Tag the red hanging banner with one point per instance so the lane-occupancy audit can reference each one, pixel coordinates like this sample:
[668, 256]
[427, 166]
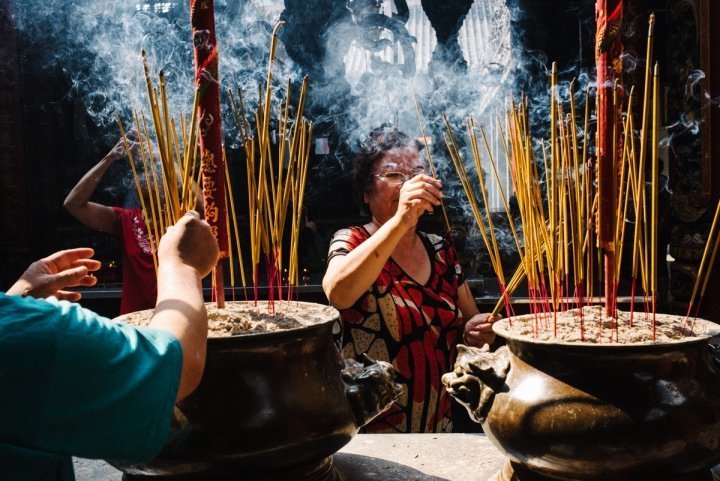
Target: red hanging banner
[207, 83]
[608, 49]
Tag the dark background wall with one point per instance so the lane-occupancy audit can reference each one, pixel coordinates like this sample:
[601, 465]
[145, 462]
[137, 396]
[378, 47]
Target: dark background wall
[712, 303]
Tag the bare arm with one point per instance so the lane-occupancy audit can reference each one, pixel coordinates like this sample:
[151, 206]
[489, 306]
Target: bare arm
[187, 252]
[347, 277]
[96, 216]
[180, 309]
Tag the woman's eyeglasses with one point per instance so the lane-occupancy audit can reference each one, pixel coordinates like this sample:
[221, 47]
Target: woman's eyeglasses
[397, 178]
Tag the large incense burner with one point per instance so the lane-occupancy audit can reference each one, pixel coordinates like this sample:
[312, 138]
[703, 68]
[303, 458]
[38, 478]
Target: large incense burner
[596, 411]
[272, 405]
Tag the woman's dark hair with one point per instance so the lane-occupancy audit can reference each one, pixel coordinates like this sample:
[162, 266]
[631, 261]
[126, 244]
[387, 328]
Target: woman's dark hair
[377, 143]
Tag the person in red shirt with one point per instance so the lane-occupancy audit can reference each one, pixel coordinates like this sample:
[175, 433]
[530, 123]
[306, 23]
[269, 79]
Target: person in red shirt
[138, 271]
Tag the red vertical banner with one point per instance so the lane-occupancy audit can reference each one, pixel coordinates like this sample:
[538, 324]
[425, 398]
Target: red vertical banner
[207, 83]
[608, 48]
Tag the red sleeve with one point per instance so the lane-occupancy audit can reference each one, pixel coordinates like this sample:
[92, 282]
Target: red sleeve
[345, 240]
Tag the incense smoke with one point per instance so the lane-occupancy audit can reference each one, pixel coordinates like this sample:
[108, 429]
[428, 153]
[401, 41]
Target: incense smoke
[364, 62]
[97, 44]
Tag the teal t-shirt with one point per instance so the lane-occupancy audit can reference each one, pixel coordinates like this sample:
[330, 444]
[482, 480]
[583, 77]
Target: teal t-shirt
[75, 383]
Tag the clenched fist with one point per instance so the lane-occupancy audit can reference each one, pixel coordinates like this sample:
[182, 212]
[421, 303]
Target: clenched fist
[191, 242]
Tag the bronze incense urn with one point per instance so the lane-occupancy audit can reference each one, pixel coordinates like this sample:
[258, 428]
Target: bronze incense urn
[271, 405]
[584, 411]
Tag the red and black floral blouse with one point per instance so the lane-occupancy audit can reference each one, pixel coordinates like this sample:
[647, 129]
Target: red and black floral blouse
[413, 326]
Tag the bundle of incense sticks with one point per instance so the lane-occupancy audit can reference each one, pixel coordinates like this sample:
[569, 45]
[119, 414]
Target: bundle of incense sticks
[165, 164]
[276, 170]
[559, 245]
[276, 176]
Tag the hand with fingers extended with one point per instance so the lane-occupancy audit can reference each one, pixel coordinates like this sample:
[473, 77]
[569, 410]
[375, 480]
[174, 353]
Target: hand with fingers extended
[190, 242]
[418, 195]
[478, 330]
[51, 275]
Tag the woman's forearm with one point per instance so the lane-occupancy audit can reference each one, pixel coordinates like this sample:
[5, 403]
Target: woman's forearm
[349, 276]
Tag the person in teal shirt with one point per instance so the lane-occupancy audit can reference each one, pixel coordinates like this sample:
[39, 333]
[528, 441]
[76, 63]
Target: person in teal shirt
[73, 383]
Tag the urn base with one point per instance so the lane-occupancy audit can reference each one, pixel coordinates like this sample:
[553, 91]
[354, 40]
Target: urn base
[316, 471]
[515, 472]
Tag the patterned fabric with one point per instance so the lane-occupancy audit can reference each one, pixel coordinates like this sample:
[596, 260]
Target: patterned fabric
[609, 23]
[139, 289]
[413, 326]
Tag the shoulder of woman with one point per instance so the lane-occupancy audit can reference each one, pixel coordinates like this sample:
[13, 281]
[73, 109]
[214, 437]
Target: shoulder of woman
[349, 237]
[349, 233]
[342, 234]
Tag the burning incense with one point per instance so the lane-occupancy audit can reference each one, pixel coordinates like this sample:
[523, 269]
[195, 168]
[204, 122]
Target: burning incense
[137, 185]
[165, 177]
[277, 164]
[465, 182]
[238, 249]
[505, 291]
[430, 163]
[640, 253]
[483, 191]
[654, 195]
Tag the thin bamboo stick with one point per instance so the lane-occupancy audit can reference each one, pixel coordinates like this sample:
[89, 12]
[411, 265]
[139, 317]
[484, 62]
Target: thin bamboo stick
[511, 223]
[654, 192]
[643, 144]
[483, 191]
[190, 147]
[155, 216]
[231, 199]
[710, 244]
[430, 162]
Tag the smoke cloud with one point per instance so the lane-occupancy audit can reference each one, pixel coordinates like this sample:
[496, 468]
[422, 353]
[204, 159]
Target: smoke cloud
[97, 44]
[365, 60]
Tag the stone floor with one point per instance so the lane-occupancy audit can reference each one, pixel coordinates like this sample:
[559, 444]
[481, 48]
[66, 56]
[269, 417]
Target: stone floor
[384, 457]
[391, 457]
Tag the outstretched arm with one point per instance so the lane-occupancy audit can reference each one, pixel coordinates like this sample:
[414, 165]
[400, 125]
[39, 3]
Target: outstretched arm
[96, 216]
[348, 276]
[188, 251]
